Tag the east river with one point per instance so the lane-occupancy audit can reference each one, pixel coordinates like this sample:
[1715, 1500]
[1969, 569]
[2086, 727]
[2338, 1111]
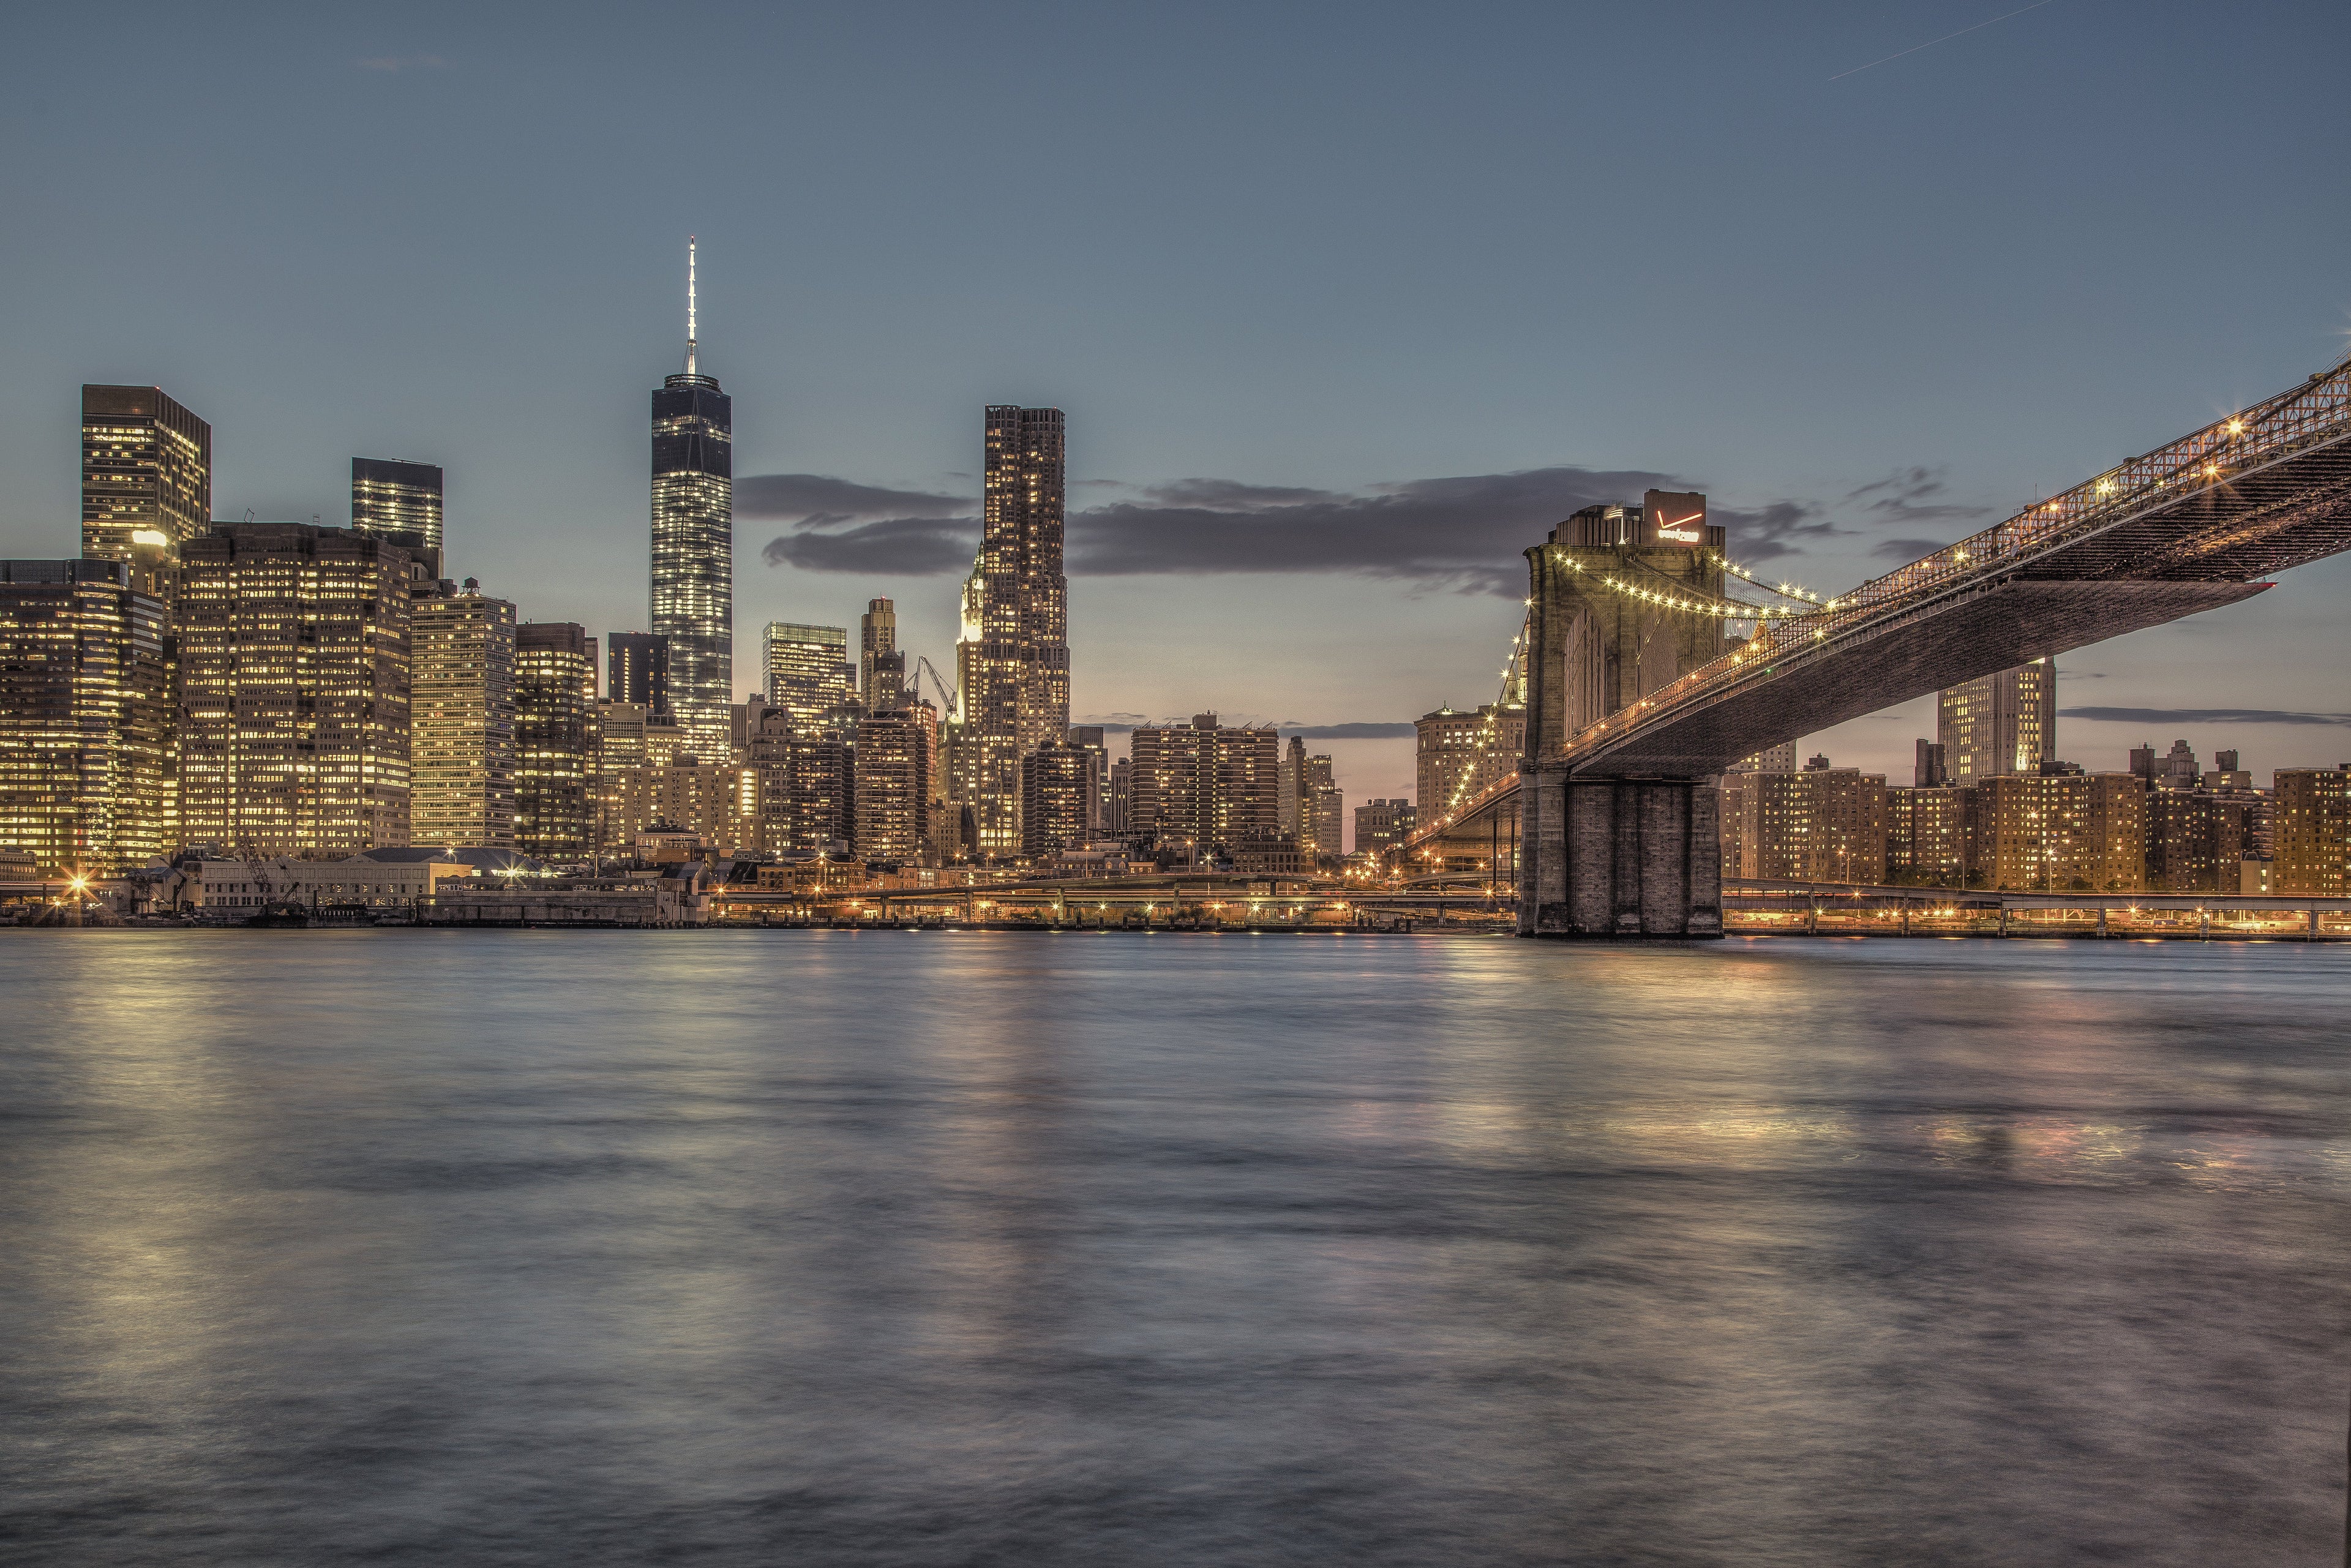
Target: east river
[815, 1248]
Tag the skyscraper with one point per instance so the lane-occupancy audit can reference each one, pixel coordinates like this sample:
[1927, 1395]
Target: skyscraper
[555, 736]
[461, 766]
[807, 670]
[1012, 662]
[877, 633]
[803, 783]
[1058, 802]
[146, 468]
[399, 503]
[693, 543]
[892, 787]
[640, 670]
[885, 683]
[1999, 725]
[1088, 739]
[294, 676]
[86, 716]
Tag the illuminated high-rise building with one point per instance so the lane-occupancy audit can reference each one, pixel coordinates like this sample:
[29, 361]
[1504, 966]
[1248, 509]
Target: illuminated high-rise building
[885, 683]
[892, 786]
[694, 544]
[461, 764]
[639, 671]
[1012, 662]
[294, 680]
[1058, 802]
[1460, 754]
[1204, 784]
[86, 716]
[877, 633]
[146, 469]
[399, 503]
[1999, 725]
[2313, 829]
[802, 785]
[808, 671]
[1088, 739]
[555, 740]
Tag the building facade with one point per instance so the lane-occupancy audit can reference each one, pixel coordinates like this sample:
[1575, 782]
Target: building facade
[802, 788]
[1817, 824]
[295, 689]
[2060, 832]
[1382, 827]
[1930, 836]
[461, 763]
[146, 470]
[89, 720]
[1058, 800]
[891, 777]
[877, 633]
[2313, 829]
[639, 670]
[1012, 660]
[1204, 784]
[1461, 753]
[555, 740]
[808, 667]
[399, 503]
[2002, 724]
[694, 544]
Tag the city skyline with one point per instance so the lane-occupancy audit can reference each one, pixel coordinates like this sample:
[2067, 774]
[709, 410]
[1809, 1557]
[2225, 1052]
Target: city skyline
[1355, 386]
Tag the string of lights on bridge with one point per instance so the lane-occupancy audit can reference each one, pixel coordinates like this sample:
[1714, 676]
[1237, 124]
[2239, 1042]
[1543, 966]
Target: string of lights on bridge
[1674, 599]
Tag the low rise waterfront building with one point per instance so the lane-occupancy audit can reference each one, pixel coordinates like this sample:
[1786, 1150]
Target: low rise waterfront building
[215, 886]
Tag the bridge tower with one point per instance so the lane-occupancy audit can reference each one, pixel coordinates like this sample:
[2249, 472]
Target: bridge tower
[1602, 856]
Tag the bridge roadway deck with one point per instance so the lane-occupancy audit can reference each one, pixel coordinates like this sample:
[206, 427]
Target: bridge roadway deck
[2187, 527]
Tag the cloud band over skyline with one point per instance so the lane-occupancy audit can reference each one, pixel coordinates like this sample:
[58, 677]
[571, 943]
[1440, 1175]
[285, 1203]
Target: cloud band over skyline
[1462, 534]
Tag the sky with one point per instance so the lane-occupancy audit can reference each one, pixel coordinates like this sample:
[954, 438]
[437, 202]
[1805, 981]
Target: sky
[1346, 305]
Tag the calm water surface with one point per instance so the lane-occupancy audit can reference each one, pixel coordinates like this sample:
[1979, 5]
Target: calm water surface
[915, 1248]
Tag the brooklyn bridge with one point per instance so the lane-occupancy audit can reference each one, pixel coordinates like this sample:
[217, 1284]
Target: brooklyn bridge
[1650, 662]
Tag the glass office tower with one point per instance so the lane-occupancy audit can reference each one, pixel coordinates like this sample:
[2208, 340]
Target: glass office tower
[399, 503]
[694, 545]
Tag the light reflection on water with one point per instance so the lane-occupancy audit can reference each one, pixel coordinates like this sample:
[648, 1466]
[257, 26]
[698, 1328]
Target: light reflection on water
[522, 1247]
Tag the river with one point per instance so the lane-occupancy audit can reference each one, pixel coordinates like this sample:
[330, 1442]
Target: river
[898, 1248]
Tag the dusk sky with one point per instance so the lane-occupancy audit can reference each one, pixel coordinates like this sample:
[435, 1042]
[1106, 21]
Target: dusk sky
[1346, 305]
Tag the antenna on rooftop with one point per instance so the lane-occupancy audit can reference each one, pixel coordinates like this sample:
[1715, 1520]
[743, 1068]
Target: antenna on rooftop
[689, 304]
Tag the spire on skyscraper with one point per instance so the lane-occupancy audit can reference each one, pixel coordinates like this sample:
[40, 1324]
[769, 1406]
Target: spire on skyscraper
[689, 304]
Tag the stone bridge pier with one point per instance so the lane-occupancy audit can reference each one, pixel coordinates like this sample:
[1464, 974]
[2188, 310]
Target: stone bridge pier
[1619, 857]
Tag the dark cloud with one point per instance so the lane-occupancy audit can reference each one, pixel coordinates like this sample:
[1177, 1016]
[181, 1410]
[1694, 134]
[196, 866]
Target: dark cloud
[1352, 731]
[2165, 716]
[1906, 550]
[1464, 534]
[802, 496]
[1908, 496]
[1778, 529]
[887, 546]
[1231, 495]
[867, 529]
